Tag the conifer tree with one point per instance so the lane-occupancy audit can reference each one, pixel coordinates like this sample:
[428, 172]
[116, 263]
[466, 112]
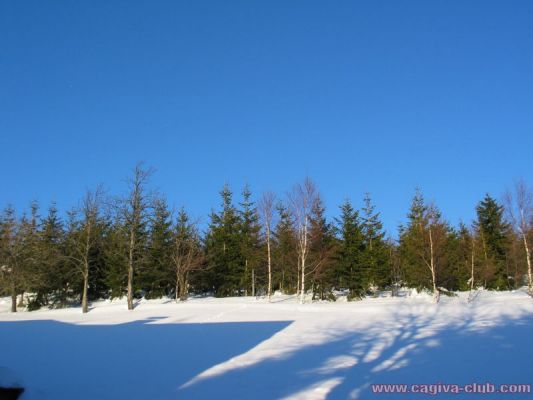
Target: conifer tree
[154, 274]
[423, 245]
[285, 256]
[465, 254]
[224, 249]
[56, 277]
[116, 257]
[250, 241]
[11, 256]
[493, 233]
[350, 273]
[375, 255]
[321, 252]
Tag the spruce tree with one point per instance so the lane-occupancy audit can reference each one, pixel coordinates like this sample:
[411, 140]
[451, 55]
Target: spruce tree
[285, 265]
[11, 258]
[350, 273]
[56, 284]
[250, 242]
[154, 273]
[375, 255]
[321, 253]
[494, 235]
[224, 249]
[424, 246]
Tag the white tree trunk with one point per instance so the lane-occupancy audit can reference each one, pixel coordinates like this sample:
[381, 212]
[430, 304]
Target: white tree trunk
[528, 258]
[432, 267]
[269, 265]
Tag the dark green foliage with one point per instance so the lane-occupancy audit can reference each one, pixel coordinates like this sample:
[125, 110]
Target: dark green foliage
[425, 230]
[494, 236]
[224, 250]
[56, 275]
[321, 261]
[375, 255]
[40, 256]
[154, 277]
[116, 260]
[350, 272]
[284, 253]
[250, 242]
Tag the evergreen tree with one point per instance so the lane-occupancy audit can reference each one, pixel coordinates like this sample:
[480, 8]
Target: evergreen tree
[350, 273]
[464, 253]
[375, 254]
[493, 234]
[250, 242]
[224, 249]
[321, 253]
[424, 246]
[285, 265]
[154, 273]
[116, 257]
[56, 276]
[12, 274]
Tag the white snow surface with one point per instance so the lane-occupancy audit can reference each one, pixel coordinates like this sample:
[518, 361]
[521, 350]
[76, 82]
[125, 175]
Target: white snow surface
[247, 348]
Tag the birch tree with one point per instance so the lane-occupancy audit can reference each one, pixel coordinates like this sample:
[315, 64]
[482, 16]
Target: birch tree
[519, 210]
[302, 199]
[266, 209]
[423, 245]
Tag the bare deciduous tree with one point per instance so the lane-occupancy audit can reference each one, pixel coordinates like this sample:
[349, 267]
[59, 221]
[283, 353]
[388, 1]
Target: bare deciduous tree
[83, 239]
[302, 199]
[134, 210]
[266, 209]
[520, 213]
[187, 255]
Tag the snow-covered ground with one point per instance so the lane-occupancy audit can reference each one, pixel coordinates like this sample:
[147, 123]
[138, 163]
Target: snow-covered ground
[246, 348]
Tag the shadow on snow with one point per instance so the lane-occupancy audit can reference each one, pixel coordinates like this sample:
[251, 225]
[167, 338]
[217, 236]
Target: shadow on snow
[403, 351]
[138, 360]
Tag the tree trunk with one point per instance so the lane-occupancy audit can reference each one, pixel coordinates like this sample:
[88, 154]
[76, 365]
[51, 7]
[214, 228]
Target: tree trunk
[472, 268]
[270, 266]
[486, 259]
[176, 292]
[84, 300]
[528, 258]
[253, 282]
[298, 275]
[13, 299]
[432, 263]
[21, 301]
[302, 288]
[130, 271]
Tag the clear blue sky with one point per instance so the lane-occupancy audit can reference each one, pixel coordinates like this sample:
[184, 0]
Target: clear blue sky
[377, 96]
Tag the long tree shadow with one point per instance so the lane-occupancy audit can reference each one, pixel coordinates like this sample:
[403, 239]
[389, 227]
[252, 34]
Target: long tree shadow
[138, 360]
[409, 350]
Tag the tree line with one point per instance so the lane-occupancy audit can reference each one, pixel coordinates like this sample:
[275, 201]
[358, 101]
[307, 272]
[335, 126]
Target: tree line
[137, 246]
